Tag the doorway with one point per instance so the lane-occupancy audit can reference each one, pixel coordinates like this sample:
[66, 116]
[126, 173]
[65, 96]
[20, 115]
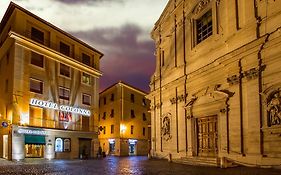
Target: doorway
[85, 146]
[207, 136]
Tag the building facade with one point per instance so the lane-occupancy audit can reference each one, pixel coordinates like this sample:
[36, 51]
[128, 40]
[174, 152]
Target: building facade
[49, 83]
[215, 93]
[124, 121]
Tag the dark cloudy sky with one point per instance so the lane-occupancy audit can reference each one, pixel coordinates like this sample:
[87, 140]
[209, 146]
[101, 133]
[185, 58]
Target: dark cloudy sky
[118, 28]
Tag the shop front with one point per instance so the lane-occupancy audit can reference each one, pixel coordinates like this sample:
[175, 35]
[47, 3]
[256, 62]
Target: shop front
[31, 142]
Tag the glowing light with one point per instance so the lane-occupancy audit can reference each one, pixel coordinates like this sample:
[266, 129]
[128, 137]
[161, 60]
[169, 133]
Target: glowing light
[24, 118]
[111, 140]
[122, 128]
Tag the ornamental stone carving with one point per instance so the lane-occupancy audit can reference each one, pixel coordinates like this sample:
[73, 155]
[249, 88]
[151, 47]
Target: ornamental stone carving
[200, 6]
[274, 108]
[166, 127]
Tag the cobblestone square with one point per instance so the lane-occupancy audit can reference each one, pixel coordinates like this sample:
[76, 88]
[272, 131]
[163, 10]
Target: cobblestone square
[120, 165]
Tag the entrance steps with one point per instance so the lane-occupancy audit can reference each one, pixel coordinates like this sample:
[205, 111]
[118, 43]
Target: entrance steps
[201, 161]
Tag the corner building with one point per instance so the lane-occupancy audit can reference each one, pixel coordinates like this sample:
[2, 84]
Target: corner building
[215, 93]
[49, 83]
[124, 121]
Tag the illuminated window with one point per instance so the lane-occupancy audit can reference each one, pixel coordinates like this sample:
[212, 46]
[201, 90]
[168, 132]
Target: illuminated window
[86, 78]
[86, 59]
[37, 59]
[64, 93]
[64, 70]
[36, 86]
[58, 145]
[86, 99]
[62, 145]
[37, 35]
[64, 49]
[204, 27]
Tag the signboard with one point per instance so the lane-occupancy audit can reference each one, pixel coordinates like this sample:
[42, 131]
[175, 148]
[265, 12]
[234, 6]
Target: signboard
[4, 124]
[55, 106]
[31, 131]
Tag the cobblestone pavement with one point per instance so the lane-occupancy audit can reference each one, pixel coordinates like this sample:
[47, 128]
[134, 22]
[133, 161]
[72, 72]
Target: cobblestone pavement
[118, 166]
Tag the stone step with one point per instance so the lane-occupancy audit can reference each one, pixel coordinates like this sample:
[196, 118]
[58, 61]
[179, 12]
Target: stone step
[202, 161]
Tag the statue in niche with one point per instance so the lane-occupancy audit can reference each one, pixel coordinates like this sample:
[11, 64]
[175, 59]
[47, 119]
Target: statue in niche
[273, 109]
[166, 127]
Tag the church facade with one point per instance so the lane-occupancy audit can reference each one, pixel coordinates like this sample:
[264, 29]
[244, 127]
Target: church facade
[216, 90]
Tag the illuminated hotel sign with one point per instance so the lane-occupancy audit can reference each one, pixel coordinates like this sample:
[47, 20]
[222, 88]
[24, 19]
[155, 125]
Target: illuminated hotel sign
[51, 105]
[31, 132]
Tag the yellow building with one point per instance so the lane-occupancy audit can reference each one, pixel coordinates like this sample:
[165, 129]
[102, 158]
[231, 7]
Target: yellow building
[48, 90]
[216, 90]
[124, 120]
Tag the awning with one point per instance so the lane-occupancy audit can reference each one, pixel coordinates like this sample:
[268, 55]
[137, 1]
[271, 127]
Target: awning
[34, 139]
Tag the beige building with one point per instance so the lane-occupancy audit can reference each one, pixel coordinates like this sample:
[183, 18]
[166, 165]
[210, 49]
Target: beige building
[124, 121]
[215, 93]
[49, 83]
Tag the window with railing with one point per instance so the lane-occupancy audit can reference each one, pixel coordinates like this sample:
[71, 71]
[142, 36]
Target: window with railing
[204, 27]
[36, 86]
[37, 59]
[37, 35]
[64, 93]
[64, 70]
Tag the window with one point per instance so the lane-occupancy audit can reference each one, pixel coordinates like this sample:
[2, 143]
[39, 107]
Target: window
[86, 99]
[8, 57]
[37, 59]
[62, 145]
[65, 116]
[112, 113]
[64, 70]
[104, 116]
[112, 129]
[133, 114]
[104, 130]
[204, 27]
[86, 59]
[64, 93]
[132, 98]
[132, 129]
[37, 35]
[143, 117]
[36, 86]
[86, 78]
[104, 100]
[64, 49]
[143, 102]
[143, 131]
[112, 97]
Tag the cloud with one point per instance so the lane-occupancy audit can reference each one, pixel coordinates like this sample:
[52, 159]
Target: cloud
[127, 55]
[90, 2]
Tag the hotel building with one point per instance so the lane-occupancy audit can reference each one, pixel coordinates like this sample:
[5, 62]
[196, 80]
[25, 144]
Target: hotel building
[49, 83]
[216, 90]
[124, 121]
